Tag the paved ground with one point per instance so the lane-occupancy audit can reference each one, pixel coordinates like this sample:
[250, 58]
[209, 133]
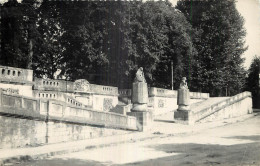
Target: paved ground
[231, 144]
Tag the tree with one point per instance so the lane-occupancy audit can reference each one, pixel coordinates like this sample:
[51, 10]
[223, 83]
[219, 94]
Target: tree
[18, 29]
[48, 50]
[220, 45]
[253, 81]
[83, 39]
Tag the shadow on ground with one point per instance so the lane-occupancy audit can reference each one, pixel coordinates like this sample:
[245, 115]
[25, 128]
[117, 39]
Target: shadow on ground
[208, 154]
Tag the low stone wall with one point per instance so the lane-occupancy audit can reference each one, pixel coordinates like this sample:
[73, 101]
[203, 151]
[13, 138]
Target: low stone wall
[17, 75]
[69, 87]
[160, 92]
[240, 104]
[24, 89]
[51, 121]
[162, 100]
[237, 105]
[53, 85]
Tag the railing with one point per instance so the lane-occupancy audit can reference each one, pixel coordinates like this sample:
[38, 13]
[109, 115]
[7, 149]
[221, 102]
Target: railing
[160, 92]
[61, 111]
[125, 92]
[49, 95]
[22, 106]
[105, 90]
[18, 75]
[68, 86]
[53, 85]
[201, 114]
[199, 95]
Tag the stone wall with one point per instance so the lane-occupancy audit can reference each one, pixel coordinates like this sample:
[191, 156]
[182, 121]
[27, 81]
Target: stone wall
[16, 80]
[238, 108]
[162, 100]
[237, 105]
[31, 121]
[18, 75]
[97, 97]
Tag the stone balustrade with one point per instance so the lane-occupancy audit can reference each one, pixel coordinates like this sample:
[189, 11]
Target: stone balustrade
[125, 92]
[160, 92]
[68, 87]
[62, 111]
[54, 95]
[104, 90]
[16, 75]
[199, 95]
[23, 106]
[197, 115]
[53, 85]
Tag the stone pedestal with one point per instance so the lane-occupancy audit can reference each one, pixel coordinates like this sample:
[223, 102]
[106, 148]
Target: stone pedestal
[139, 96]
[183, 99]
[139, 109]
[144, 119]
[182, 115]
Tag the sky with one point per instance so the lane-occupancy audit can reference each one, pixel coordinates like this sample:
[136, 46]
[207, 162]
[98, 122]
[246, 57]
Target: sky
[250, 10]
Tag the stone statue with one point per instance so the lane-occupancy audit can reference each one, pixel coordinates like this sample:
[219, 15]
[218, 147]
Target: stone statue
[183, 99]
[139, 76]
[183, 84]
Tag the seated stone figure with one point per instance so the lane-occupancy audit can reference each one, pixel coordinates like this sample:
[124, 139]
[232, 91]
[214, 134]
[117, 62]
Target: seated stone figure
[183, 84]
[139, 76]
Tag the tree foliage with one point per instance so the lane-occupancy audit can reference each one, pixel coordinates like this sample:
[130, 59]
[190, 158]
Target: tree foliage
[253, 81]
[18, 29]
[220, 45]
[106, 42]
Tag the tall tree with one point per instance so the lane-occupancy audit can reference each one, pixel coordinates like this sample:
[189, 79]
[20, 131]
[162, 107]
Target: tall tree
[220, 45]
[18, 28]
[48, 45]
[253, 81]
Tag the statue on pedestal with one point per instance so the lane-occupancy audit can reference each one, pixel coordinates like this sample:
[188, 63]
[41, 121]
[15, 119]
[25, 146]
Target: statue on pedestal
[183, 99]
[183, 84]
[139, 76]
[140, 91]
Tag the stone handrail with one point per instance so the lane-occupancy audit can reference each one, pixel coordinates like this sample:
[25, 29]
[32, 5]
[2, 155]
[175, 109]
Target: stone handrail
[201, 114]
[54, 95]
[106, 90]
[22, 106]
[160, 92]
[124, 92]
[18, 75]
[53, 85]
[199, 95]
[68, 86]
[61, 111]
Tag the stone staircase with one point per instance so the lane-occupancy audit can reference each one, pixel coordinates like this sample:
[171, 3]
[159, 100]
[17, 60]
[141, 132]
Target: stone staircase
[216, 108]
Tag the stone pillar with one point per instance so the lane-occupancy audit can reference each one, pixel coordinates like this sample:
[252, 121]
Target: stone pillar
[140, 96]
[183, 101]
[140, 100]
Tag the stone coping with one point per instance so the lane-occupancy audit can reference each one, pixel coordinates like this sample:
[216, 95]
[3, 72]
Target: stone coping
[28, 107]
[160, 92]
[221, 104]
